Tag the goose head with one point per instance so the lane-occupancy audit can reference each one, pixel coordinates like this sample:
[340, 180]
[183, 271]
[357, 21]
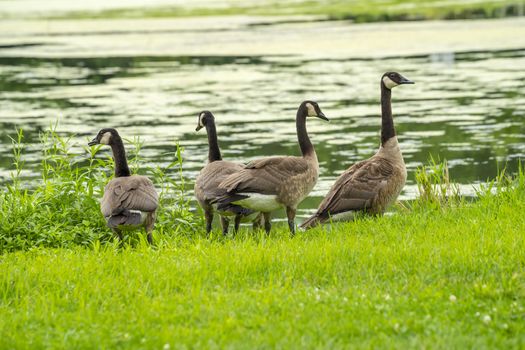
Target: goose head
[312, 109]
[204, 118]
[393, 79]
[105, 137]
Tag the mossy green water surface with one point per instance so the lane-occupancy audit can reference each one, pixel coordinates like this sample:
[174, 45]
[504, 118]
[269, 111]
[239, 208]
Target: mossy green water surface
[359, 11]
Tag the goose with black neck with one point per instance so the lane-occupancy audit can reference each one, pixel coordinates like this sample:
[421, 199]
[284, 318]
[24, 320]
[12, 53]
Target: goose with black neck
[129, 201]
[267, 184]
[369, 186]
[207, 182]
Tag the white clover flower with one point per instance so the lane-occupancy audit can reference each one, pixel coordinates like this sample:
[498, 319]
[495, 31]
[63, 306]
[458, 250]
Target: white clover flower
[166, 346]
[486, 319]
[452, 298]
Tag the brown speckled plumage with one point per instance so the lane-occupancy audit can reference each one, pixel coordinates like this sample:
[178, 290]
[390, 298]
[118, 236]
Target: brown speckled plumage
[207, 182]
[289, 178]
[134, 192]
[267, 183]
[369, 186]
[129, 201]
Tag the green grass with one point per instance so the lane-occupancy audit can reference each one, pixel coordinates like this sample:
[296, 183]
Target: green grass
[442, 272]
[374, 283]
[357, 10]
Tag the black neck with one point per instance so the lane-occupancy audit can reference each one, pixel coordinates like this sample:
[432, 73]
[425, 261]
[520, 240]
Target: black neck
[304, 141]
[119, 155]
[214, 153]
[387, 122]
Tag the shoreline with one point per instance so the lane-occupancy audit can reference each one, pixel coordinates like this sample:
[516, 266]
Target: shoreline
[241, 36]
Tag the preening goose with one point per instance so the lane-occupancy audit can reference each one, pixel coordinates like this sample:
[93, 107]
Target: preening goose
[129, 201]
[373, 184]
[269, 183]
[207, 182]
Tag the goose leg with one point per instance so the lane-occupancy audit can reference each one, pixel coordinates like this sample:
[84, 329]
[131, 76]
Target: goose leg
[118, 233]
[290, 213]
[237, 223]
[150, 222]
[225, 223]
[267, 223]
[257, 223]
[208, 215]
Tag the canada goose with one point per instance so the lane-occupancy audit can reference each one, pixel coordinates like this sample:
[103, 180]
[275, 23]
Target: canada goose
[209, 178]
[373, 184]
[129, 201]
[268, 183]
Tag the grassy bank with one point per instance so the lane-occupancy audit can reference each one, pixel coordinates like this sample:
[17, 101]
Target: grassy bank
[441, 273]
[442, 278]
[358, 10]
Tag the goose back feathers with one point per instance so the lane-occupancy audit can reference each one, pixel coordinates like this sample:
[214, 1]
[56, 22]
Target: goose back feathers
[207, 186]
[369, 186]
[287, 179]
[129, 193]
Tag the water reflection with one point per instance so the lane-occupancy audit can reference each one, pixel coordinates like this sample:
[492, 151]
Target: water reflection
[456, 111]
[447, 58]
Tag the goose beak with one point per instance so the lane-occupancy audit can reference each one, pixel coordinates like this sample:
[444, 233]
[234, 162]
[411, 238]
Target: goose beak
[93, 142]
[198, 128]
[406, 81]
[321, 115]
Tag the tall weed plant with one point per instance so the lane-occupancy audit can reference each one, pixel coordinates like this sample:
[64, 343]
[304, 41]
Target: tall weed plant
[62, 208]
[435, 187]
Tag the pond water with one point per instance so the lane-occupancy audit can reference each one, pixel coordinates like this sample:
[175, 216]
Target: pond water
[466, 107]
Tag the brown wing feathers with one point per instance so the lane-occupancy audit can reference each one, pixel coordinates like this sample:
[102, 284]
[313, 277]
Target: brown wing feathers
[356, 189]
[132, 193]
[264, 175]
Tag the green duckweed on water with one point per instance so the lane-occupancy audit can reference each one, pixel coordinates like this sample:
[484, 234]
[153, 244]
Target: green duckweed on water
[359, 11]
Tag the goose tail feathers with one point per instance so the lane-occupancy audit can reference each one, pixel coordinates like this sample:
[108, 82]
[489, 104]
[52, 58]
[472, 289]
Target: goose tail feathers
[312, 221]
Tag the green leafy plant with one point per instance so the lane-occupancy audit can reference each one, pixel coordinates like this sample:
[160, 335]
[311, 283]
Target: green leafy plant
[61, 208]
[434, 185]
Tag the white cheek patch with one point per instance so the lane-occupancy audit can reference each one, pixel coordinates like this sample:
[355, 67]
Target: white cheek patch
[201, 117]
[389, 83]
[105, 138]
[311, 110]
